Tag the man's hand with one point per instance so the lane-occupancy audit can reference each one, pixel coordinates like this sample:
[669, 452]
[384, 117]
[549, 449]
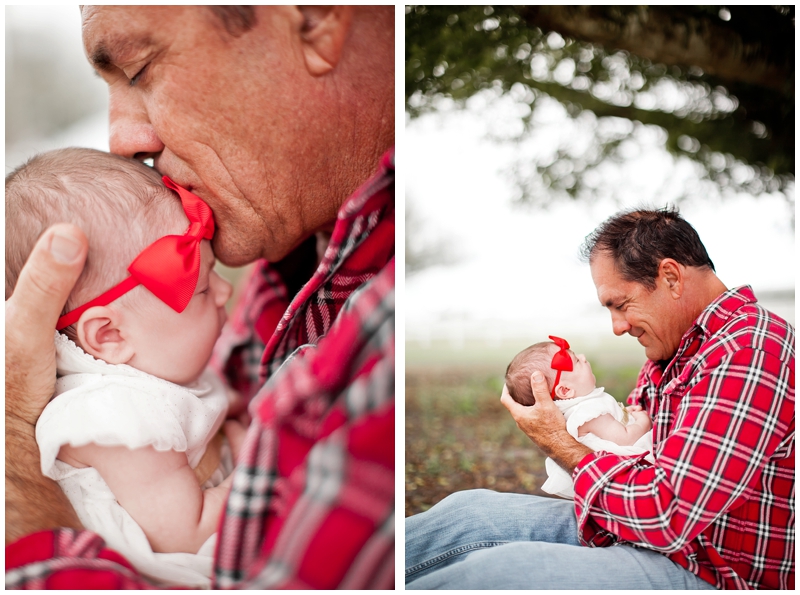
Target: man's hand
[544, 423]
[34, 502]
[235, 432]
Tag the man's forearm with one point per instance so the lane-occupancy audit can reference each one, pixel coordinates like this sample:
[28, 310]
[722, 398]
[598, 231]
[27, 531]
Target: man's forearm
[33, 502]
[564, 450]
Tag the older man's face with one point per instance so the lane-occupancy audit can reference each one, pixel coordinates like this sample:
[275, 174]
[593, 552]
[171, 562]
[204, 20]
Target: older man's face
[237, 120]
[653, 317]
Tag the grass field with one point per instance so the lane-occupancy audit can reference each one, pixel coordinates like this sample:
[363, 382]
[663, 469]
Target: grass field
[459, 436]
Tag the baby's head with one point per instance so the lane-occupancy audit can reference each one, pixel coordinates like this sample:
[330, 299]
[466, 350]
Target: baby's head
[122, 206]
[539, 356]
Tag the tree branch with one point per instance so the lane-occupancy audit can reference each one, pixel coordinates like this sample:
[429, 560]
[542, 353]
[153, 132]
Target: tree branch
[674, 37]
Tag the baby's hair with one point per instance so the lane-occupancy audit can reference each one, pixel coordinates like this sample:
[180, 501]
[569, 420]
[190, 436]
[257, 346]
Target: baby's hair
[518, 374]
[120, 204]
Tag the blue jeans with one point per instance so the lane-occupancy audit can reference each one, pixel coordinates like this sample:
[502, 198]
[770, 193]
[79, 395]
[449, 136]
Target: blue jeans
[479, 539]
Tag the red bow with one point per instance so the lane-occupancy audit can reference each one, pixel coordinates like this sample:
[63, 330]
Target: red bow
[561, 362]
[169, 267]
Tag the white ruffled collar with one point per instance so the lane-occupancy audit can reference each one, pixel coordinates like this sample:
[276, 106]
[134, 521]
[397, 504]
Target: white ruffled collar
[565, 405]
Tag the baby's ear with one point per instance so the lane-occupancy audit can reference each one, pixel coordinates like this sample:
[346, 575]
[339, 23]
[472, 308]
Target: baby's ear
[100, 336]
[564, 392]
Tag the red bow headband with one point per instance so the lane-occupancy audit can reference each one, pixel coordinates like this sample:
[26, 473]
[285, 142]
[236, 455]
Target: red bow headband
[169, 267]
[562, 362]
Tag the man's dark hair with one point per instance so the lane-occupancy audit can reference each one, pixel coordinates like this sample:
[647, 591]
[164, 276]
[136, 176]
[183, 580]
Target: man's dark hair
[639, 240]
[236, 19]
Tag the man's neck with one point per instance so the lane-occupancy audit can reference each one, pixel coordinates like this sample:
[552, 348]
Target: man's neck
[703, 288]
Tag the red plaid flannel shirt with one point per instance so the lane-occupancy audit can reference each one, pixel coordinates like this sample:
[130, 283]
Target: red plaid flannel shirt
[312, 504]
[719, 500]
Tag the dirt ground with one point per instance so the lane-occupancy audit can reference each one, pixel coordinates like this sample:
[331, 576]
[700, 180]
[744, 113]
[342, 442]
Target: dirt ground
[459, 436]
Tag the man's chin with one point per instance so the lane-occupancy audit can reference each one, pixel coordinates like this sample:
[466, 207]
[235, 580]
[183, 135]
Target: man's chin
[650, 351]
[231, 255]
[654, 353]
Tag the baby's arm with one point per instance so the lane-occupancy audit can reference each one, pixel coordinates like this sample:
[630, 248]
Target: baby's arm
[159, 490]
[608, 428]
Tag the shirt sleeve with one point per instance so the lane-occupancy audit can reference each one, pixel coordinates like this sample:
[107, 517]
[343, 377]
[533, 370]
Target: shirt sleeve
[68, 559]
[733, 417]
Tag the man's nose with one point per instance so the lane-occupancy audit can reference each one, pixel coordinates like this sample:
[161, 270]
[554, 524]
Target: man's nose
[619, 325]
[130, 132]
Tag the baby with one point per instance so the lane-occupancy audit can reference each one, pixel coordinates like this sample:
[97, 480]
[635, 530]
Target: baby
[594, 418]
[131, 434]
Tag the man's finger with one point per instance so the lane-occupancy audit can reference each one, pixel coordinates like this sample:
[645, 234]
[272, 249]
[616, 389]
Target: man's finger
[539, 388]
[31, 314]
[507, 400]
[517, 410]
[235, 433]
[44, 284]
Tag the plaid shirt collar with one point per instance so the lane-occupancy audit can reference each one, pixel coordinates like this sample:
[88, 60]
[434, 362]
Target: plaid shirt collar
[358, 217]
[719, 312]
[711, 320]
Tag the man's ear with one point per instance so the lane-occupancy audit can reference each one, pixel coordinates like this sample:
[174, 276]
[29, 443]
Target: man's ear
[323, 32]
[564, 392]
[99, 333]
[670, 272]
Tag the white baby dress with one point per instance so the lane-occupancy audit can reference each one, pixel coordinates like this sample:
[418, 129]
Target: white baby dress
[577, 412]
[120, 405]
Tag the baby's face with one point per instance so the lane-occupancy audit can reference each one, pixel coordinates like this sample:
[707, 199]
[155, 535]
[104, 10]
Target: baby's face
[581, 379]
[177, 347]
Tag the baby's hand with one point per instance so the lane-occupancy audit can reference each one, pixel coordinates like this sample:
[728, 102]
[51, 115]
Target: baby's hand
[632, 408]
[640, 417]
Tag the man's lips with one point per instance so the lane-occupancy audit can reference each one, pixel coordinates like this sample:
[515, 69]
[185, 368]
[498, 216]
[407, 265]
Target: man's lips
[176, 171]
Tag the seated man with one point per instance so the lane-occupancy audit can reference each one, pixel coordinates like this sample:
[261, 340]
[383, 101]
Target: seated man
[715, 509]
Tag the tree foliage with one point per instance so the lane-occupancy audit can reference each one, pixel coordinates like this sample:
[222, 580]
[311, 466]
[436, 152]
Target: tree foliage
[718, 83]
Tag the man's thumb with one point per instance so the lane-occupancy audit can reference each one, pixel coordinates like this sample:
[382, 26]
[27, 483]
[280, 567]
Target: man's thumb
[48, 277]
[539, 388]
